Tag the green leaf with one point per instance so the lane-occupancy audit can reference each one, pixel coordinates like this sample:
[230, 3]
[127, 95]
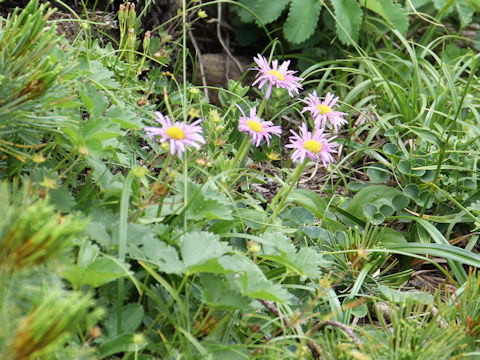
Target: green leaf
[268, 10]
[389, 236]
[125, 117]
[245, 15]
[399, 202]
[280, 245]
[465, 11]
[390, 149]
[302, 216]
[376, 195]
[132, 316]
[348, 14]
[206, 202]
[119, 344]
[400, 297]
[378, 173]
[308, 261]
[247, 277]
[61, 199]
[199, 247]
[218, 295]
[302, 20]
[394, 14]
[309, 200]
[158, 253]
[411, 190]
[96, 274]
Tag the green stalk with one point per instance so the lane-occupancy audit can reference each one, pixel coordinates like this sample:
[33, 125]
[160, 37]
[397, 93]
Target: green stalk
[262, 107]
[122, 243]
[241, 153]
[452, 125]
[284, 192]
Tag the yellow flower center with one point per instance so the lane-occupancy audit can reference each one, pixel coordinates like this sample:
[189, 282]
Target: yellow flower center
[277, 74]
[175, 133]
[255, 126]
[324, 109]
[313, 146]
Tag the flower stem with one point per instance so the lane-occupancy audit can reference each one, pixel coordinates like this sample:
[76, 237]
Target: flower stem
[262, 107]
[241, 154]
[282, 195]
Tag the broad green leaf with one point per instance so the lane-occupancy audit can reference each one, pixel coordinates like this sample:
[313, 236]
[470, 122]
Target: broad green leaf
[206, 202]
[97, 232]
[400, 297]
[302, 216]
[122, 343]
[309, 200]
[61, 199]
[394, 14]
[199, 247]
[411, 190]
[302, 20]
[389, 236]
[247, 277]
[378, 173]
[280, 245]
[154, 251]
[348, 14]
[245, 15]
[98, 273]
[218, 295]
[125, 117]
[465, 11]
[268, 10]
[376, 195]
[309, 260]
[132, 316]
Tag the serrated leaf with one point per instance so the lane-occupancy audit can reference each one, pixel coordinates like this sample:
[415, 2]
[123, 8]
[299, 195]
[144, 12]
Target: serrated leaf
[302, 20]
[199, 247]
[217, 294]
[61, 199]
[245, 15]
[148, 248]
[281, 245]
[247, 277]
[348, 14]
[308, 260]
[207, 202]
[98, 273]
[465, 11]
[394, 14]
[268, 10]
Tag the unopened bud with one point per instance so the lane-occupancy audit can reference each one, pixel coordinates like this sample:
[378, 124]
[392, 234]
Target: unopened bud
[253, 246]
[139, 171]
[202, 14]
[83, 150]
[95, 332]
[138, 339]
[38, 158]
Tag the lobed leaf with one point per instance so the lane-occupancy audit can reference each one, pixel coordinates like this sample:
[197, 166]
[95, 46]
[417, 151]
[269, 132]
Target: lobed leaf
[302, 20]
[348, 14]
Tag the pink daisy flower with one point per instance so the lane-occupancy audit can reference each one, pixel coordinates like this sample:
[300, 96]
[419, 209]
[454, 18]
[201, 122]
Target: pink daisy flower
[257, 128]
[178, 134]
[323, 110]
[276, 75]
[316, 146]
